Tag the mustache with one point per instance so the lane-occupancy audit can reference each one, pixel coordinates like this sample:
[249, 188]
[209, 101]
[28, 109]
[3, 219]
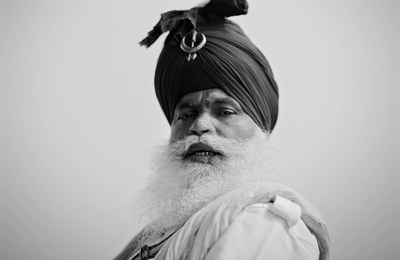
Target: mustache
[221, 145]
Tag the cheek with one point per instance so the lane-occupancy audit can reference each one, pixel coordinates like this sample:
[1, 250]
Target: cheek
[243, 129]
[177, 132]
[245, 132]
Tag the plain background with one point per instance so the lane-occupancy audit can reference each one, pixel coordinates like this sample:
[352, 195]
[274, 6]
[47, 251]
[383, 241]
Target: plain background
[79, 119]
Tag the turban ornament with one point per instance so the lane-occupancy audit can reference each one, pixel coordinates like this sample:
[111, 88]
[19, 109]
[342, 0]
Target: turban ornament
[205, 50]
[191, 50]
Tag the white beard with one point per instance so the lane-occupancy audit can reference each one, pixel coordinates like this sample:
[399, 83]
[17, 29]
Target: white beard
[178, 188]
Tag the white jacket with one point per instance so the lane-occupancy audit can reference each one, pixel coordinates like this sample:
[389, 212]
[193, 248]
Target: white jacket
[257, 221]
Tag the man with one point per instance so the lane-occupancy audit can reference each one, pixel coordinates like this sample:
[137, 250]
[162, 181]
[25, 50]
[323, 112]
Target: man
[209, 196]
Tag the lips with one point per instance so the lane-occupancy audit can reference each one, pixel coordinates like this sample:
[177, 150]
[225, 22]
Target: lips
[201, 149]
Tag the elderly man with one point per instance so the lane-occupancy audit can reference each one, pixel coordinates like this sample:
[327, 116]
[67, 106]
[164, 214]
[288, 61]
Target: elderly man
[210, 196]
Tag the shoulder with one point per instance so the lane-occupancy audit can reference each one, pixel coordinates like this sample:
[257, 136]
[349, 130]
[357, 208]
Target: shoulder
[246, 221]
[266, 231]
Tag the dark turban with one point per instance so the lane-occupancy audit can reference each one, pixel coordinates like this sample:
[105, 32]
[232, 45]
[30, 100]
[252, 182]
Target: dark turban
[228, 60]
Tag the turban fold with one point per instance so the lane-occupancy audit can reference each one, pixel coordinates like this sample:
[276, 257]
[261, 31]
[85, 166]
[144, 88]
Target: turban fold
[228, 60]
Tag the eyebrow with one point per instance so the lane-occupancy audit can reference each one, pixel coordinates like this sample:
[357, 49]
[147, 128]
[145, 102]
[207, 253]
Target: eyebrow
[185, 104]
[225, 100]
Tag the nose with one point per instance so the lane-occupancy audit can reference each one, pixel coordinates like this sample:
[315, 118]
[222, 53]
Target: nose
[202, 125]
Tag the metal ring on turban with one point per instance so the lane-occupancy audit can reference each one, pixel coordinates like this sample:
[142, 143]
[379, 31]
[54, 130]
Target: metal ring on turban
[191, 50]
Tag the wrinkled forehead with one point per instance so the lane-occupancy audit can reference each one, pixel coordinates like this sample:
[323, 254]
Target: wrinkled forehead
[208, 97]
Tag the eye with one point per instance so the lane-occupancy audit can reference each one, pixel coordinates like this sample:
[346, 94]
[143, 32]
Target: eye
[226, 112]
[186, 115]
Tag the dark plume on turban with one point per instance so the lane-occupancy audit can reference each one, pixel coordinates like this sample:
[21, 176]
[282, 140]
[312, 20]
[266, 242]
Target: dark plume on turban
[228, 60]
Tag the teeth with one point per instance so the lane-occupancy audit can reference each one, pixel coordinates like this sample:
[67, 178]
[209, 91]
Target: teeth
[203, 153]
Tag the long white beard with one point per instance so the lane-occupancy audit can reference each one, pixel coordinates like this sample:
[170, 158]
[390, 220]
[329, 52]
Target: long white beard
[178, 188]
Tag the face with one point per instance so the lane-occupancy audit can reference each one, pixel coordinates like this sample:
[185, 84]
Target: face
[210, 112]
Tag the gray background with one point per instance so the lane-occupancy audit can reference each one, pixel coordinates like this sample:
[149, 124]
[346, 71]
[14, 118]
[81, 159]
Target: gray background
[79, 118]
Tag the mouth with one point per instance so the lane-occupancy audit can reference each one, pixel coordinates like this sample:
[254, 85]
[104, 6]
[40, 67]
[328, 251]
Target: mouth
[200, 152]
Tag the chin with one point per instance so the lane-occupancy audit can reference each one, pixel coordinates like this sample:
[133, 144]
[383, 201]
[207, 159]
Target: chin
[179, 186]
